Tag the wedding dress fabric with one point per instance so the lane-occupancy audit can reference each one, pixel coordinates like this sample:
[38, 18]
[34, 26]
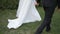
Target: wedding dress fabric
[26, 13]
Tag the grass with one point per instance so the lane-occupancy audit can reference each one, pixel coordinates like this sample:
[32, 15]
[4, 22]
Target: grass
[28, 28]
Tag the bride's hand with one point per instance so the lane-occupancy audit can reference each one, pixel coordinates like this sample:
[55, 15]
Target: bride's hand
[36, 3]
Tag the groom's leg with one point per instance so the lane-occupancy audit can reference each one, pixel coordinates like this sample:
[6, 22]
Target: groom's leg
[58, 2]
[48, 27]
[49, 7]
[47, 20]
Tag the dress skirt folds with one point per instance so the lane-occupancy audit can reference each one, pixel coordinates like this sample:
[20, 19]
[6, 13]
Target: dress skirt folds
[26, 13]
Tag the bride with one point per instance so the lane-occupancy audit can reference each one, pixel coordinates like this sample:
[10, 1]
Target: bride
[26, 13]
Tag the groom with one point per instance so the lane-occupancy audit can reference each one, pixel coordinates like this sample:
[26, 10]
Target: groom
[49, 7]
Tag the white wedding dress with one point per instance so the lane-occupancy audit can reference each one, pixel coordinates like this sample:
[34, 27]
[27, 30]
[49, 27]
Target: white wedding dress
[26, 13]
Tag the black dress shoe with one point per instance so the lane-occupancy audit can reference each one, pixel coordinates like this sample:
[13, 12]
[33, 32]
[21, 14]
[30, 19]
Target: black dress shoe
[48, 28]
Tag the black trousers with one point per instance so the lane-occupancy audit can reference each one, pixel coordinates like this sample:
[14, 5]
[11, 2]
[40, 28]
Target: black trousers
[49, 10]
[58, 3]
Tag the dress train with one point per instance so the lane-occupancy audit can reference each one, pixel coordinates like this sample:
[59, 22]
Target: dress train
[26, 13]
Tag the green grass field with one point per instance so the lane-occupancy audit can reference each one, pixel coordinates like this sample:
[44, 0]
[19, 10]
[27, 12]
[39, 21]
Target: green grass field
[28, 28]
